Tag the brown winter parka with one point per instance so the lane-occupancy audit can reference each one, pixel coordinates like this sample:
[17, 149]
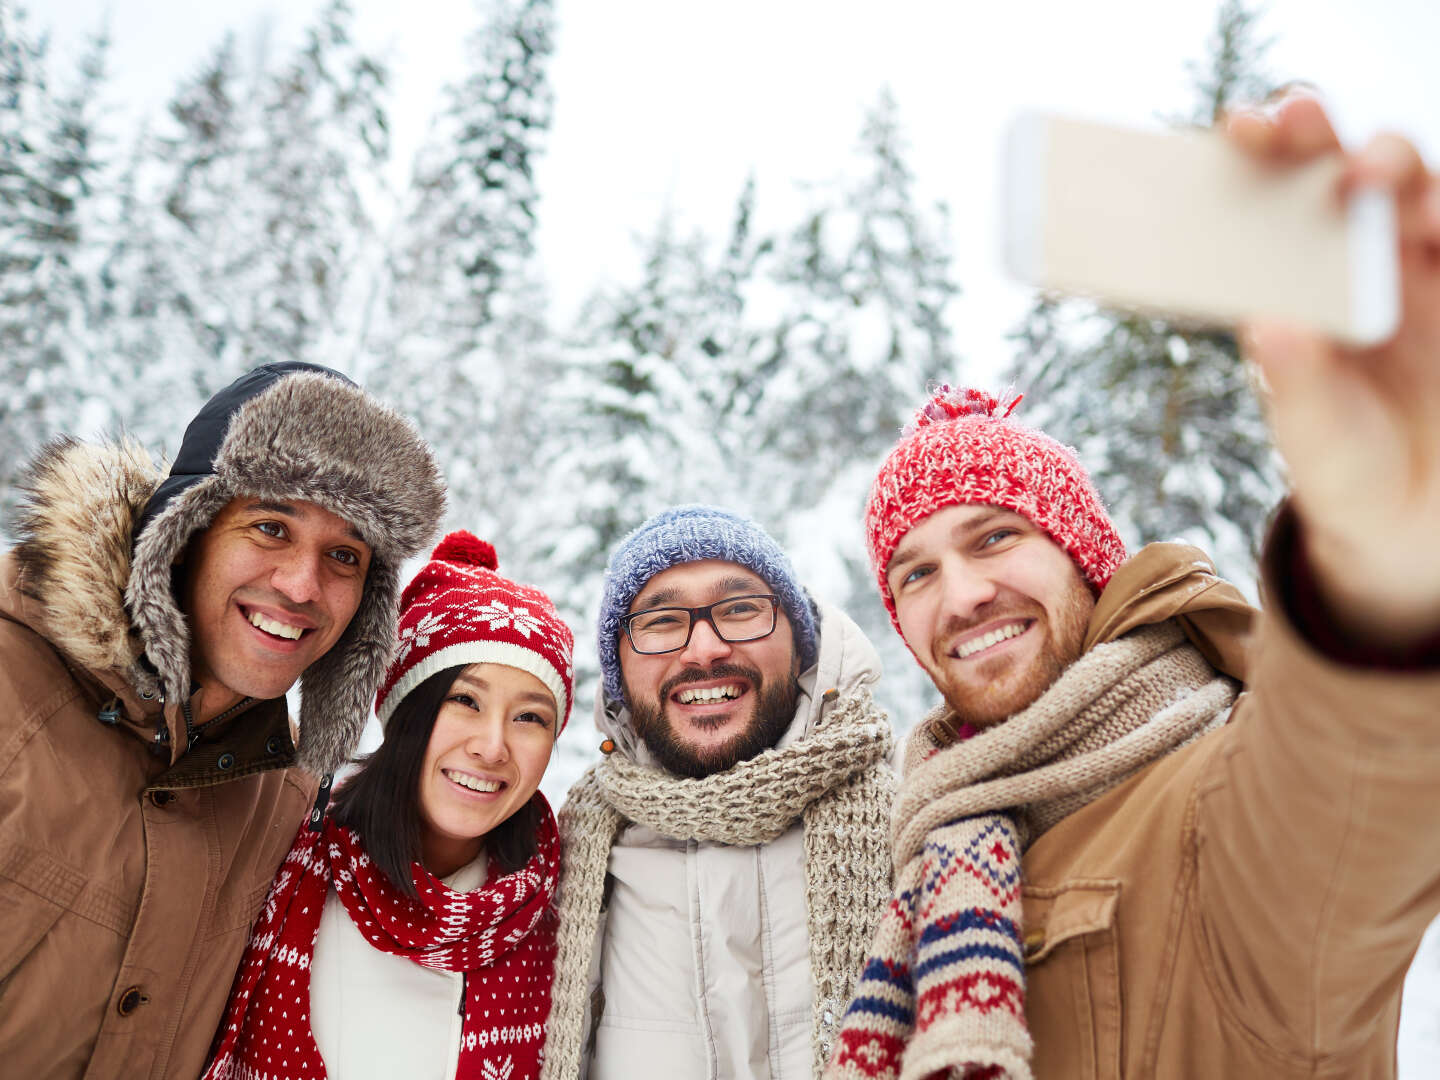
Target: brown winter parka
[130, 872]
[135, 847]
[1247, 906]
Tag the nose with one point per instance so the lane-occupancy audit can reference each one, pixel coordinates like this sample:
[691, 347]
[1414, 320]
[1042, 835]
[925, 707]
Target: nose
[705, 645]
[298, 579]
[486, 740]
[966, 589]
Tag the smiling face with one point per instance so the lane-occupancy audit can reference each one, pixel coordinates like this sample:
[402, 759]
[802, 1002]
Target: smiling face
[992, 608]
[268, 589]
[489, 747]
[712, 703]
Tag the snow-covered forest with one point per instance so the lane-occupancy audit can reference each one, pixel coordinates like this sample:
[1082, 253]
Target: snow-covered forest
[763, 368]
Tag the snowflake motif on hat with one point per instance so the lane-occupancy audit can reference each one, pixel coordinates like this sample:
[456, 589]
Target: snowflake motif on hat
[459, 610]
[499, 615]
[419, 634]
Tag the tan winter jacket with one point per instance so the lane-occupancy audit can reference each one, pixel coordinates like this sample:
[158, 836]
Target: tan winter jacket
[703, 957]
[1247, 906]
[128, 879]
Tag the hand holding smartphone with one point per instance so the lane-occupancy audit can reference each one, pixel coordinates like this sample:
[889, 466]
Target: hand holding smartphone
[1183, 224]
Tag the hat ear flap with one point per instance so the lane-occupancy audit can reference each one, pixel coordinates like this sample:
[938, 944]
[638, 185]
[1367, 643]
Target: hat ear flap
[337, 690]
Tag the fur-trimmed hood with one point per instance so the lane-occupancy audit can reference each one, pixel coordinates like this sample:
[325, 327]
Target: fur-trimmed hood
[102, 530]
[75, 532]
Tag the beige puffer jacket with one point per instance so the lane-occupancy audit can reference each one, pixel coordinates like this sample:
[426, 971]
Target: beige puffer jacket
[702, 960]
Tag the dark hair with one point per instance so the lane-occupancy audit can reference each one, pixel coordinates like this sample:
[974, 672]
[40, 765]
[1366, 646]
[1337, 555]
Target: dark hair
[380, 800]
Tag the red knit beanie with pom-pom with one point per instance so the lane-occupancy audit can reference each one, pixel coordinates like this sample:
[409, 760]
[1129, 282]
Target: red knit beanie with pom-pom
[963, 447]
[458, 610]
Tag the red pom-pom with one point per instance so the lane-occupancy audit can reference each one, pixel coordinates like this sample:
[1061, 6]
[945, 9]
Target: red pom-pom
[465, 547]
[951, 403]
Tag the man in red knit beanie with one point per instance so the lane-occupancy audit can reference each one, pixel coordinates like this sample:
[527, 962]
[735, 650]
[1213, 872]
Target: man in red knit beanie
[1150, 831]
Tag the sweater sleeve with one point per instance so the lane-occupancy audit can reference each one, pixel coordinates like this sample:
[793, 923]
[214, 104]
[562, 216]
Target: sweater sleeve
[1317, 829]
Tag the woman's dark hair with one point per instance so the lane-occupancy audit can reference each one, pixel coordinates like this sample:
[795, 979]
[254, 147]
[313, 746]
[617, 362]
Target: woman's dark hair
[380, 800]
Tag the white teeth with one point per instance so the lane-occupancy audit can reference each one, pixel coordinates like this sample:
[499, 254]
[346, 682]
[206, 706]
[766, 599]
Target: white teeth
[712, 693]
[994, 637]
[271, 626]
[474, 783]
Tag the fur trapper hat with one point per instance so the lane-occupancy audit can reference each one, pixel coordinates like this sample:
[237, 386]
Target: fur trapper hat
[294, 431]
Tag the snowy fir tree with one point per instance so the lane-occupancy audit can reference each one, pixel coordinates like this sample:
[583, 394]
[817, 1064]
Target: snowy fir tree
[866, 286]
[646, 426]
[49, 169]
[1165, 416]
[768, 375]
[460, 338]
[324, 139]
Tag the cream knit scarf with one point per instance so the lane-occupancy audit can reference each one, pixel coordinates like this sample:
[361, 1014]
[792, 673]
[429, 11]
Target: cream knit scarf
[944, 989]
[835, 778]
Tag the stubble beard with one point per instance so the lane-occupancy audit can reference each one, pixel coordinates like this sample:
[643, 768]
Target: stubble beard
[774, 708]
[1062, 647]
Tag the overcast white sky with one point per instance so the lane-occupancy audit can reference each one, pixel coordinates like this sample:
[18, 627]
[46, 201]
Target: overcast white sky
[664, 105]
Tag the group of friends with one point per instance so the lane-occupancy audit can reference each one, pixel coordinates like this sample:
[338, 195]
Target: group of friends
[1148, 831]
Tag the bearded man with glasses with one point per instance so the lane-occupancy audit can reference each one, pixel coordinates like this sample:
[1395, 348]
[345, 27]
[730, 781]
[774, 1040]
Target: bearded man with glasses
[727, 860]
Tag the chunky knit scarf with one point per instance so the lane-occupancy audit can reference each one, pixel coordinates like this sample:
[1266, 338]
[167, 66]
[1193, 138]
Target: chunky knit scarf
[944, 989]
[501, 934]
[835, 778]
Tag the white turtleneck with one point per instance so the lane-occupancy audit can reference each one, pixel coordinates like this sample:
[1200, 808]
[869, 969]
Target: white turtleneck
[375, 1014]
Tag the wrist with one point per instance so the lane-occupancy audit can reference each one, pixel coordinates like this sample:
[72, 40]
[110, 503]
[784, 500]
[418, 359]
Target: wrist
[1376, 600]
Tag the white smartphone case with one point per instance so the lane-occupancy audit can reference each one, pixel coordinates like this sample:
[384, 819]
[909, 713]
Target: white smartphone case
[1182, 224]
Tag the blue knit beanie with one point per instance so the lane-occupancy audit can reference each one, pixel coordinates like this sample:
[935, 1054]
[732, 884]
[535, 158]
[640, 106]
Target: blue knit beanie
[685, 534]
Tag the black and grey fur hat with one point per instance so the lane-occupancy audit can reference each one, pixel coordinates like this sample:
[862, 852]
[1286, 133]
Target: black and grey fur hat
[294, 431]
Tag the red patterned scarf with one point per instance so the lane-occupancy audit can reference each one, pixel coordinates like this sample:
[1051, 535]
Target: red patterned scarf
[502, 934]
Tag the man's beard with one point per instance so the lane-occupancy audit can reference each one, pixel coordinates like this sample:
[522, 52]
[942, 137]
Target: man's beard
[774, 709]
[1065, 635]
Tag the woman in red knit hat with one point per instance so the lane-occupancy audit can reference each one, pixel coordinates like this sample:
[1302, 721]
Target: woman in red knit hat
[411, 930]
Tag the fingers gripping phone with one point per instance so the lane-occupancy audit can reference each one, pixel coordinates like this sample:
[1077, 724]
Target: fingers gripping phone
[1183, 224]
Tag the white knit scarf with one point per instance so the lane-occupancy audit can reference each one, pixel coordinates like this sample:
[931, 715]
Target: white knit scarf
[944, 989]
[835, 778]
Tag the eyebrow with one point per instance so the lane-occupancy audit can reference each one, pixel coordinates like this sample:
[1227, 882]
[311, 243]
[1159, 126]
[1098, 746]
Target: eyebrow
[904, 552]
[474, 682]
[265, 506]
[726, 586]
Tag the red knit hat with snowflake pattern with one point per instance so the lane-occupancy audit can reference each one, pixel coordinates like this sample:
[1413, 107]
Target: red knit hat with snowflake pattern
[963, 447]
[458, 611]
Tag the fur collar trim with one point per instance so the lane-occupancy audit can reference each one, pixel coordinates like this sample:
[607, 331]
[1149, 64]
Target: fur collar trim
[81, 504]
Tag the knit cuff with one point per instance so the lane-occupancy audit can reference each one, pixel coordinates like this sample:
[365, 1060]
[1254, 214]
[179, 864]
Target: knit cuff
[1291, 581]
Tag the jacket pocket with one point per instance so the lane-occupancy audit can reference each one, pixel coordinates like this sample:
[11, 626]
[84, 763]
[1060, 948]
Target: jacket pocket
[27, 917]
[1072, 958]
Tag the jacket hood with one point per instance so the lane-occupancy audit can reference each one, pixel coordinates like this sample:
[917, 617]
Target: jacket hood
[74, 528]
[845, 662]
[1163, 581]
[102, 533]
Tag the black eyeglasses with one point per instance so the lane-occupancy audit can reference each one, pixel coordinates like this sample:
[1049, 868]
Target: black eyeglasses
[736, 618]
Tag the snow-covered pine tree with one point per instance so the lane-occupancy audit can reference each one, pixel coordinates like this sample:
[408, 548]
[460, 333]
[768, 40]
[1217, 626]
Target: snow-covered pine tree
[317, 172]
[459, 343]
[48, 171]
[768, 377]
[866, 285]
[1164, 416]
[655, 403]
[181, 210]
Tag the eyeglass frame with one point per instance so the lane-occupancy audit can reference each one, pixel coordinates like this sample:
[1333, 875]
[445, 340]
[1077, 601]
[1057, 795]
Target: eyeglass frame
[698, 614]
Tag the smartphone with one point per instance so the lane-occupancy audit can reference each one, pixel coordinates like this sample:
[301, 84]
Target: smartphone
[1184, 225]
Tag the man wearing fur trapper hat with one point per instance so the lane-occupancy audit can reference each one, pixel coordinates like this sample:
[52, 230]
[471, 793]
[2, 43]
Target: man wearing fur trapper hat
[149, 630]
[1151, 832]
[725, 862]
